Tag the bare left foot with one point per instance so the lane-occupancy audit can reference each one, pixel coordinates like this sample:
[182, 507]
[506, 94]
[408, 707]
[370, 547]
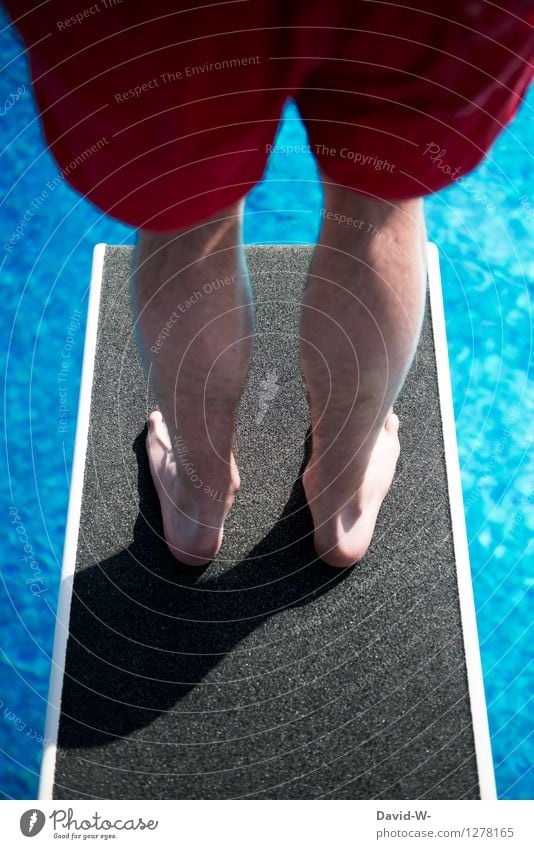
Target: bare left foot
[193, 509]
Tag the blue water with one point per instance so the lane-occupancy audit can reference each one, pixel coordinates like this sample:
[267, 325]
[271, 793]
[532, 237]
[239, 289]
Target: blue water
[483, 231]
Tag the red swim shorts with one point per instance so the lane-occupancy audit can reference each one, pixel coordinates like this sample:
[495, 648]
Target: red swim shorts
[162, 113]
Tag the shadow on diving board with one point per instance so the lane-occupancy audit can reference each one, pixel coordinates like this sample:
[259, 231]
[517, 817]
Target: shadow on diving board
[266, 674]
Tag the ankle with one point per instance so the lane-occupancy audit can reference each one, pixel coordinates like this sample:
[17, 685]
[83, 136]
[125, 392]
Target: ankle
[348, 453]
[209, 473]
[344, 473]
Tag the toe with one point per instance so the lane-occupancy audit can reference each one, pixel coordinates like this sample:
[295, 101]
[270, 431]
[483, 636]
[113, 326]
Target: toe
[338, 556]
[155, 418]
[198, 553]
[341, 552]
[392, 423]
[158, 437]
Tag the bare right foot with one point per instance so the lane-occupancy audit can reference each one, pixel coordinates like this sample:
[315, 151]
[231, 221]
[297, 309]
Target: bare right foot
[345, 504]
[193, 511]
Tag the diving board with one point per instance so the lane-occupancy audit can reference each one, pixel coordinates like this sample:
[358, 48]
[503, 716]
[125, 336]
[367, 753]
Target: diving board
[267, 674]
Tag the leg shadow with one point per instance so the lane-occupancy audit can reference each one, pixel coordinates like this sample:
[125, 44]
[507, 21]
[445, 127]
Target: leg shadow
[145, 630]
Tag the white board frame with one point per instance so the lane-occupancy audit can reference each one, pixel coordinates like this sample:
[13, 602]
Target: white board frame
[484, 760]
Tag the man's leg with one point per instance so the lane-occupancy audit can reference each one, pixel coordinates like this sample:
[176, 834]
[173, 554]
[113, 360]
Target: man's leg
[360, 325]
[194, 322]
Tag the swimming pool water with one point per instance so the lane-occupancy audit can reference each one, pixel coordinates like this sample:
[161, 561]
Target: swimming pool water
[484, 230]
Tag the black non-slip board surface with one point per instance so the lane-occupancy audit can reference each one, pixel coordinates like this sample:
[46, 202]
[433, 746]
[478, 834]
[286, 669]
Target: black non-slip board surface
[267, 674]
